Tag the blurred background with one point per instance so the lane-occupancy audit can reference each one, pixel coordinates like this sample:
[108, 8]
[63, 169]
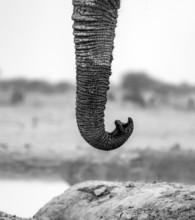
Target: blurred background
[153, 81]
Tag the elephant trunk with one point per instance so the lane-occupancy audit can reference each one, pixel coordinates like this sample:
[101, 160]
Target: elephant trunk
[94, 31]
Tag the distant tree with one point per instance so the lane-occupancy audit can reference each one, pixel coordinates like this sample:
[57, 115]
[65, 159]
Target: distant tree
[134, 82]
[139, 81]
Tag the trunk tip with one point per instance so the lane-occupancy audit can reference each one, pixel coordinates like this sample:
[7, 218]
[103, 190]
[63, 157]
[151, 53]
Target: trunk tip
[124, 128]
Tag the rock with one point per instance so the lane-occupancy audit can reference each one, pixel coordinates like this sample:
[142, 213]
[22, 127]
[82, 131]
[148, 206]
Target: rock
[5, 216]
[95, 200]
[101, 200]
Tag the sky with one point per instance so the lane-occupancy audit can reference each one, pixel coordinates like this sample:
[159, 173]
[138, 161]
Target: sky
[155, 36]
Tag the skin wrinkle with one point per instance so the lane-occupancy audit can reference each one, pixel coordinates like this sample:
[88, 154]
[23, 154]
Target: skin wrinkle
[94, 32]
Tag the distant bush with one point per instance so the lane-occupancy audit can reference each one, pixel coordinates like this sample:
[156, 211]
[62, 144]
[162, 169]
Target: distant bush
[191, 104]
[34, 86]
[143, 90]
[17, 97]
[135, 98]
[63, 87]
[142, 82]
[139, 81]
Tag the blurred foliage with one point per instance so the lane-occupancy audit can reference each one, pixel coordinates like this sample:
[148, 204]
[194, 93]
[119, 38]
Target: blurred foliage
[138, 82]
[143, 90]
[17, 97]
[24, 85]
[16, 91]
[135, 87]
[111, 96]
[142, 82]
[135, 97]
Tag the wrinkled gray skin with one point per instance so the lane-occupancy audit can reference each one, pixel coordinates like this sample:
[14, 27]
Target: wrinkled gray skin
[94, 31]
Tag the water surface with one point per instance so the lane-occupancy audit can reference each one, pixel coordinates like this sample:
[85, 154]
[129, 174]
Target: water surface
[25, 198]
